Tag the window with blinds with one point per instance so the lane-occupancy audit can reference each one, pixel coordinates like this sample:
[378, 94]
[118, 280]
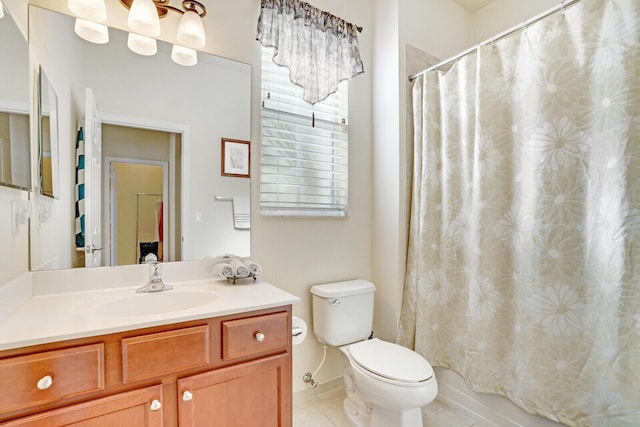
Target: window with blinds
[304, 148]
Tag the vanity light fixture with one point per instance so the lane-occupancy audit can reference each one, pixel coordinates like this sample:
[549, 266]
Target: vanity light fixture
[144, 19]
[142, 45]
[91, 10]
[191, 29]
[184, 55]
[144, 22]
[90, 15]
[92, 31]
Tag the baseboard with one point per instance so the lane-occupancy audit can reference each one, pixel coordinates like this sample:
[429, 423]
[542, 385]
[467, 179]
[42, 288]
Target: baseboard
[494, 410]
[310, 393]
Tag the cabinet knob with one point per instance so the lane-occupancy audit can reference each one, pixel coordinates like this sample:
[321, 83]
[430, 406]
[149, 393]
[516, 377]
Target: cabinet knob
[259, 336]
[45, 382]
[187, 396]
[155, 405]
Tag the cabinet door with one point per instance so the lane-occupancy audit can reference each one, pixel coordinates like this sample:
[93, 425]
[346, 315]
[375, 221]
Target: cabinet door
[252, 394]
[138, 408]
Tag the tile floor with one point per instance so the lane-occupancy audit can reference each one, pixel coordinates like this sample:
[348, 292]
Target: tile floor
[325, 410]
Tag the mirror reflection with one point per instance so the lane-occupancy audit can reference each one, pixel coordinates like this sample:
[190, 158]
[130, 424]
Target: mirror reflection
[14, 107]
[48, 136]
[139, 151]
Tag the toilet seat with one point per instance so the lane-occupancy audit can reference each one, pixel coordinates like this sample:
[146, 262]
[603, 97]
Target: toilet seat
[391, 361]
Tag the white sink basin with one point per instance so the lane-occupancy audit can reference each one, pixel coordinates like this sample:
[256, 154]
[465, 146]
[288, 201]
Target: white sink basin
[145, 304]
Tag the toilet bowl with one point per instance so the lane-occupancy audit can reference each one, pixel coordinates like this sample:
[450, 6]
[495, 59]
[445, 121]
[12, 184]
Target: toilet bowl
[386, 384]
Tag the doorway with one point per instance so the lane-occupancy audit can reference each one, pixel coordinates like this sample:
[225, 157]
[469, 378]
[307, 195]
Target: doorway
[141, 204]
[138, 200]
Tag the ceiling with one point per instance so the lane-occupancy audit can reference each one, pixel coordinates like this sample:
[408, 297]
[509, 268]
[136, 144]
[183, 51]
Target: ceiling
[473, 5]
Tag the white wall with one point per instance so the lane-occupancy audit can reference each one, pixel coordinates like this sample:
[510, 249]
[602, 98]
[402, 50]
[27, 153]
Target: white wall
[52, 241]
[398, 22]
[14, 246]
[15, 285]
[501, 15]
[298, 253]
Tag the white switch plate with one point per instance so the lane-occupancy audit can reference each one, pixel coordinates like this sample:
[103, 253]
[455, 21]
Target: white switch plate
[197, 217]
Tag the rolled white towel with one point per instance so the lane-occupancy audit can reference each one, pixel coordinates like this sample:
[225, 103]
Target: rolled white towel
[254, 267]
[223, 269]
[240, 270]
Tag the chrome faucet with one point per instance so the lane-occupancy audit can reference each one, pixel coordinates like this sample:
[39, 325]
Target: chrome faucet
[155, 283]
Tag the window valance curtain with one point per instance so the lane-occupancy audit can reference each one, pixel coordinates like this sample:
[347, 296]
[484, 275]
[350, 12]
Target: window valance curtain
[319, 49]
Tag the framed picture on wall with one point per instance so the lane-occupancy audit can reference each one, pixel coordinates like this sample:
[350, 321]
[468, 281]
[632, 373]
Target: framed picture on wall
[235, 158]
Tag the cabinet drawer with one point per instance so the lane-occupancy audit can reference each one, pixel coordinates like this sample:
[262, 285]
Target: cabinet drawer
[140, 408]
[44, 377]
[254, 335]
[155, 355]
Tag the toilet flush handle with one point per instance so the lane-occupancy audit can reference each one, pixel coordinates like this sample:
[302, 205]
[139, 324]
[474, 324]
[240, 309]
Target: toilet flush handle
[335, 302]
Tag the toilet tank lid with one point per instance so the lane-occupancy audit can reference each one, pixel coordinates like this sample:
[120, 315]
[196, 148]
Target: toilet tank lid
[343, 289]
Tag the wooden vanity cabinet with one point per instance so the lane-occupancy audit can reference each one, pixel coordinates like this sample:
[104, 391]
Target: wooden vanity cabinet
[225, 371]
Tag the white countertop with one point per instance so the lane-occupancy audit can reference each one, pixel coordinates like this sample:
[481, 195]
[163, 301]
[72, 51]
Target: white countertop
[61, 316]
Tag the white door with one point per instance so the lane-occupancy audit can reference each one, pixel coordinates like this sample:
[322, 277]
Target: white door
[92, 183]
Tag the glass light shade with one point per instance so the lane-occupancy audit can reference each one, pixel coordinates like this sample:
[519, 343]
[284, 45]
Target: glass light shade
[142, 45]
[1, 10]
[191, 30]
[143, 18]
[184, 55]
[92, 31]
[92, 10]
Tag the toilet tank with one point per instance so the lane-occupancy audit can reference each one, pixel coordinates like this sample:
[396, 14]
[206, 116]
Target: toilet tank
[342, 311]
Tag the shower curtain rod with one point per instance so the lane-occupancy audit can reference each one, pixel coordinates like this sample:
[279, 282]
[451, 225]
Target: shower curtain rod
[559, 8]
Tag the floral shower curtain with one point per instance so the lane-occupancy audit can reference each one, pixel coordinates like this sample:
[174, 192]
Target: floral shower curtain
[523, 271]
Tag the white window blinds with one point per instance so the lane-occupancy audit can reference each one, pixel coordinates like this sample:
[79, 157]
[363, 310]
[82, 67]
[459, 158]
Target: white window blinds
[304, 148]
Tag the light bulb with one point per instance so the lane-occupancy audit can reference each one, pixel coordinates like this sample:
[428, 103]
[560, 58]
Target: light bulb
[184, 55]
[191, 30]
[1, 10]
[91, 10]
[92, 31]
[142, 45]
[143, 18]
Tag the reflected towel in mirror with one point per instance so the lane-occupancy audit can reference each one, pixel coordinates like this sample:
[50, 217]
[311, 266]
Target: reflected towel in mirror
[79, 189]
[242, 213]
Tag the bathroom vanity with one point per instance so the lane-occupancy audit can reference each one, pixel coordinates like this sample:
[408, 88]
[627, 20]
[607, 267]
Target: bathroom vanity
[224, 362]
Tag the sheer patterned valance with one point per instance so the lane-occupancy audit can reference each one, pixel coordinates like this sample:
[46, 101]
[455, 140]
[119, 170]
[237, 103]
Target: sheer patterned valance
[319, 49]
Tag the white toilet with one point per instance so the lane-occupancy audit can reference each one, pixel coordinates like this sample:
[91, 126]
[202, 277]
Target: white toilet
[386, 384]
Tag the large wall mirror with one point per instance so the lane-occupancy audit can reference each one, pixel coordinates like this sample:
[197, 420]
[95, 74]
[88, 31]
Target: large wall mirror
[139, 145]
[14, 107]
